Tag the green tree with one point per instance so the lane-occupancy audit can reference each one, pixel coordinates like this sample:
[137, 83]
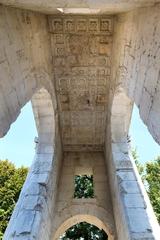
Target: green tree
[140, 167]
[152, 177]
[84, 186]
[150, 174]
[85, 231]
[11, 182]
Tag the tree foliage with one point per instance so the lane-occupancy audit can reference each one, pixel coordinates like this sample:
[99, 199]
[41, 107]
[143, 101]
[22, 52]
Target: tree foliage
[11, 182]
[150, 174]
[85, 231]
[140, 167]
[152, 177]
[84, 186]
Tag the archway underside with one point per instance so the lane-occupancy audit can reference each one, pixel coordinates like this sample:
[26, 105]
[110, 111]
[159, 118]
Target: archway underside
[97, 74]
[77, 219]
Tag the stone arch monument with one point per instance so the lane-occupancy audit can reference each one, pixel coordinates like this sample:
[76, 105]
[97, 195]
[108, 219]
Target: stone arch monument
[83, 64]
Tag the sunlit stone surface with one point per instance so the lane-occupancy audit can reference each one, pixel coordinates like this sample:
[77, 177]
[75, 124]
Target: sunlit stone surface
[83, 64]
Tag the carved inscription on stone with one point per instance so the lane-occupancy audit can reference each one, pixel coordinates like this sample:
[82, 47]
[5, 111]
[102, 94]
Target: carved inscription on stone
[81, 25]
[69, 25]
[81, 48]
[105, 24]
[93, 25]
[102, 25]
[57, 25]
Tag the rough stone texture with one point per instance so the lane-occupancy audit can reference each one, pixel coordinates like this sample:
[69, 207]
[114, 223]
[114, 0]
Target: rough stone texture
[136, 62]
[25, 68]
[24, 61]
[130, 202]
[71, 59]
[135, 77]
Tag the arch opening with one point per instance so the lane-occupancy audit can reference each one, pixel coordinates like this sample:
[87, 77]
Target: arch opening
[44, 115]
[84, 230]
[141, 139]
[18, 145]
[126, 120]
[91, 221]
[37, 117]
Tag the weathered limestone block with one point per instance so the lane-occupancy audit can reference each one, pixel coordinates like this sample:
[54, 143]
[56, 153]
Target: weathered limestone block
[130, 202]
[32, 216]
[24, 61]
[26, 219]
[136, 62]
[134, 200]
[133, 208]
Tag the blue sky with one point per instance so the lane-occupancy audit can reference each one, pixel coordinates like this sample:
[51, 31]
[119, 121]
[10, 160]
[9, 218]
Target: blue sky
[141, 139]
[18, 145]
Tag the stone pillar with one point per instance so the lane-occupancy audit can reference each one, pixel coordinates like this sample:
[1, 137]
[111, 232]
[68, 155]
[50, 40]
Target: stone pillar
[138, 221]
[133, 213]
[32, 209]
[135, 74]
[32, 217]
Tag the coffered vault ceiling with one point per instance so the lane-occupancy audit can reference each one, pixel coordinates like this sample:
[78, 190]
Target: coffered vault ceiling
[81, 49]
[79, 6]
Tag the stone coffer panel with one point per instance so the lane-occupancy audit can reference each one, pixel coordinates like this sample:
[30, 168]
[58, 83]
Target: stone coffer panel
[81, 50]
